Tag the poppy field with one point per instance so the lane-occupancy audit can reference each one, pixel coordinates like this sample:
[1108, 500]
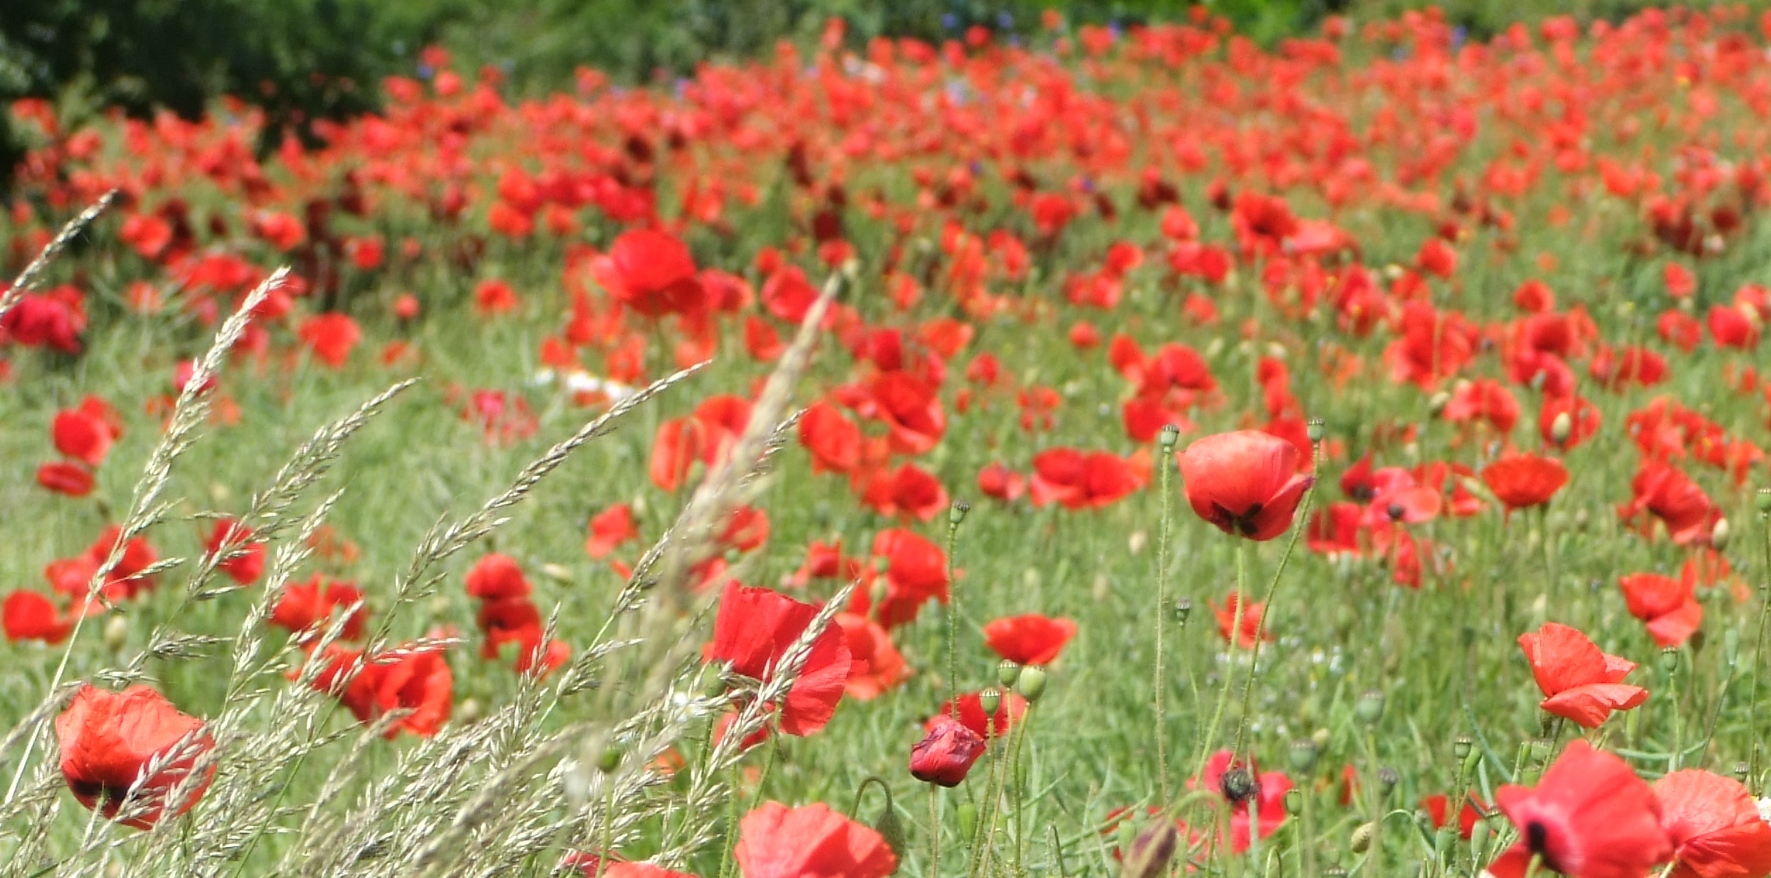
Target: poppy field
[1122, 452]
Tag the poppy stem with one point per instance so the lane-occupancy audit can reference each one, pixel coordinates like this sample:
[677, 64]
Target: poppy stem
[1303, 515]
[1752, 711]
[955, 514]
[1217, 714]
[1166, 445]
[934, 867]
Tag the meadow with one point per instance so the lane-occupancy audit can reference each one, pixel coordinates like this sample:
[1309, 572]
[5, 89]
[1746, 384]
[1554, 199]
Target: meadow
[1114, 453]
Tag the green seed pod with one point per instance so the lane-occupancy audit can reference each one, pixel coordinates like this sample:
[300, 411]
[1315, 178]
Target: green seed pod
[1168, 437]
[609, 759]
[1007, 672]
[956, 513]
[1183, 609]
[1370, 707]
[1731, 647]
[1763, 500]
[1315, 429]
[1031, 683]
[1303, 755]
[968, 818]
[1294, 800]
[990, 699]
[1669, 659]
[1461, 747]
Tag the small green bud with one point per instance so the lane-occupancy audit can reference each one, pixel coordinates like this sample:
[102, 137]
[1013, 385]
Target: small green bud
[1031, 683]
[1742, 770]
[1472, 760]
[891, 829]
[1387, 779]
[968, 818]
[1303, 755]
[1669, 659]
[609, 759]
[990, 699]
[116, 632]
[1370, 707]
[1007, 673]
[956, 513]
[1444, 840]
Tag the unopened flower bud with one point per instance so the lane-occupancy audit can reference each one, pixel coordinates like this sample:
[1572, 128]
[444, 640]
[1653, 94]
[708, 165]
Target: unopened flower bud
[956, 513]
[1741, 770]
[1294, 800]
[609, 759]
[1361, 840]
[1731, 647]
[1150, 852]
[116, 632]
[1007, 672]
[989, 700]
[890, 828]
[1387, 779]
[468, 712]
[945, 755]
[1669, 659]
[1719, 534]
[1303, 755]
[1437, 403]
[1031, 682]
[1562, 428]
[1461, 747]
[968, 818]
[1370, 707]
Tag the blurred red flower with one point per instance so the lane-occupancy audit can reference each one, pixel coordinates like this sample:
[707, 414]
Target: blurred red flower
[1590, 817]
[1714, 825]
[810, 841]
[754, 629]
[1668, 605]
[1245, 483]
[109, 743]
[1031, 639]
[1524, 480]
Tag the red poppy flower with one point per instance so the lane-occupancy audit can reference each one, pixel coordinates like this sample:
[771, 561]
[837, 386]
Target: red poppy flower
[910, 407]
[909, 491]
[1245, 483]
[331, 336]
[1668, 605]
[1082, 480]
[1483, 400]
[877, 666]
[1032, 639]
[707, 435]
[1335, 529]
[1252, 618]
[81, 435]
[916, 573]
[650, 272]
[946, 752]
[1583, 420]
[66, 477]
[753, 631]
[307, 605]
[28, 615]
[245, 561]
[1666, 493]
[1714, 825]
[1579, 682]
[833, 440]
[610, 528]
[810, 841]
[591, 866]
[497, 576]
[1589, 817]
[1525, 480]
[109, 742]
[997, 481]
[407, 678]
[971, 712]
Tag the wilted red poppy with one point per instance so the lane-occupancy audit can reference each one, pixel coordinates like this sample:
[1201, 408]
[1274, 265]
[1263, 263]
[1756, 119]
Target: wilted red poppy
[109, 743]
[245, 559]
[1579, 682]
[946, 752]
[754, 629]
[877, 666]
[1590, 816]
[610, 528]
[66, 477]
[1668, 605]
[413, 678]
[28, 615]
[306, 605]
[1245, 483]
[1714, 825]
[810, 841]
[1525, 480]
[1032, 639]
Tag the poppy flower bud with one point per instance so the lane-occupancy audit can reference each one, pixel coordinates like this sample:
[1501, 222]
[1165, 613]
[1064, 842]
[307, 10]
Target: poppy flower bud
[945, 755]
[989, 700]
[1370, 707]
[1303, 755]
[609, 759]
[968, 819]
[116, 632]
[1361, 840]
[1031, 683]
[1294, 800]
[1719, 534]
[1437, 403]
[1561, 428]
[956, 513]
[891, 828]
[1151, 851]
[469, 712]
[1763, 500]
[1741, 770]
[1387, 779]
[1007, 672]
[1168, 437]
[1461, 747]
[1669, 659]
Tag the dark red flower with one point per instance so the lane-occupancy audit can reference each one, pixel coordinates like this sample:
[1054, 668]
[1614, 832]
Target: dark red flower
[109, 741]
[66, 477]
[1245, 483]
[946, 752]
[307, 605]
[810, 841]
[411, 678]
[245, 559]
[28, 615]
[1083, 480]
[1589, 817]
[754, 629]
[1579, 682]
[650, 272]
[1032, 639]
